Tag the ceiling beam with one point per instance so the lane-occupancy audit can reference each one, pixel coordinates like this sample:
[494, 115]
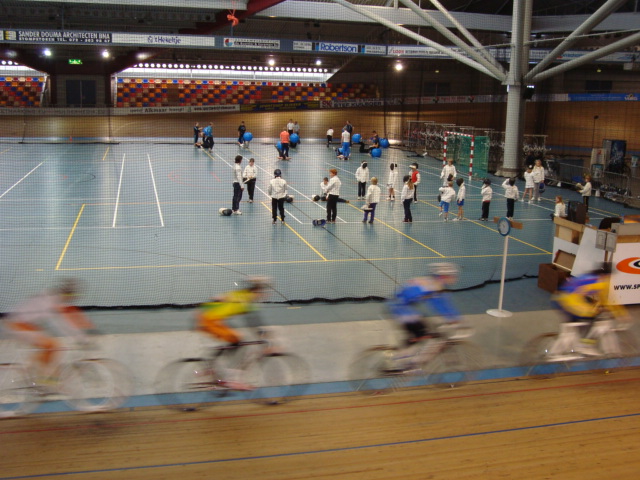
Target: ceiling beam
[330, 12]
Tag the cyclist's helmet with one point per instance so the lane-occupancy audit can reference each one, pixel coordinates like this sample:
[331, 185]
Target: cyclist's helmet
[68, 287]
[257, 283]
[277, 172]
[444, 270]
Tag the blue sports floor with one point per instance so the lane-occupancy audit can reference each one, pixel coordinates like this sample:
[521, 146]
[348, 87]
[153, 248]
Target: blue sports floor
[138, 223]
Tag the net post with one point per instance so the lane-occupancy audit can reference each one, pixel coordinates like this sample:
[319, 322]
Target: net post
[473, 141]
[444, 148]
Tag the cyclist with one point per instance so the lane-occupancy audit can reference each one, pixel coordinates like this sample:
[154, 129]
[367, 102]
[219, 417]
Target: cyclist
[583, 298]
[429, 291]
[212, 315]
[37, 319]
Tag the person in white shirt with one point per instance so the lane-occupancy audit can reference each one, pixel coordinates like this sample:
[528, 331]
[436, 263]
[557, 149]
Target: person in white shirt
[447, 194]
[362, 176]
[290, 125]
[249, 178]
[487, 193]
[323, 186]
[329, 137]
[392, 179]
[560, 210]
[529, 184]
[448, 173]
[511, 194]
[345, 150]
[277, 190]
[296, 130]
[462, 193]
[372, 198]
[585, 191]
[333, 193]
[538, 178]
[238, 186]
[407, 197]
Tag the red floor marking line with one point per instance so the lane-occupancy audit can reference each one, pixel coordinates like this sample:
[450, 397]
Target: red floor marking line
[299, 412]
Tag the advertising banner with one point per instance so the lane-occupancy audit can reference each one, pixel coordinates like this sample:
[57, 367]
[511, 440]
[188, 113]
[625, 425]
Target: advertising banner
[625, 275]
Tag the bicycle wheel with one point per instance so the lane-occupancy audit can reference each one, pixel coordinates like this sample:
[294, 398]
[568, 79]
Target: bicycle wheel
[277, 378]
[95, 385]
[374, 372]
[459, 362]
[188, 384]
[18, 395]
[626, 347]
[535, 356]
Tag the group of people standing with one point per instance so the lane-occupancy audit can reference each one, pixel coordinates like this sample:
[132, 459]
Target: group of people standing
[241, 179]
[372, 194]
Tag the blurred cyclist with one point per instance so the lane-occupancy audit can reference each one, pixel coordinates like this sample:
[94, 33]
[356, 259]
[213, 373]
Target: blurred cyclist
[36, 320]
[583, 298]
[212, 315]
[426, 291]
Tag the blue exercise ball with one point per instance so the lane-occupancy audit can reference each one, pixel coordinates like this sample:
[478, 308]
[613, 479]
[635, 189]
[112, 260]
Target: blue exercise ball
[376, 152]
[384, 143]
[248, 136]
[279, 146]
[294, 138]
[356, 138]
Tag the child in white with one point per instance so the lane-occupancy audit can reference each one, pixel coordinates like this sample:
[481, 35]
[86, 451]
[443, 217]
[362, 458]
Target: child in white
[372, 198]
[362, 176]
[448, 169]
[392, 180]
[538, 178]
[447, 194]
[462, 192]
[511, 194]
[528, 184]
[323, 186]
[329, 137]
[560, 210]
[585, 191]
[487, 193]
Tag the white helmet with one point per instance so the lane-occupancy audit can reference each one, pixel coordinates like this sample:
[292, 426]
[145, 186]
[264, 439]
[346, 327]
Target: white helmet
[444, 269]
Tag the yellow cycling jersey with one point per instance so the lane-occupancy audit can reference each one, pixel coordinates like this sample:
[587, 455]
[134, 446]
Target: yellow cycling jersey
[232, 303]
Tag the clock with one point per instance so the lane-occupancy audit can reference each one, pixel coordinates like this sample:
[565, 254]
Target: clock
[504, 226]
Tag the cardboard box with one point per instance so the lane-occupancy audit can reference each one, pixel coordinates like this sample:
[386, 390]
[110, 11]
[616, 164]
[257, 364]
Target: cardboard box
[550, 277]
[564, 260]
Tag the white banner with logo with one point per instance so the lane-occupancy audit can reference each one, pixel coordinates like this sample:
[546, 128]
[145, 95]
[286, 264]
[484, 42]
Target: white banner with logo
[625, 275]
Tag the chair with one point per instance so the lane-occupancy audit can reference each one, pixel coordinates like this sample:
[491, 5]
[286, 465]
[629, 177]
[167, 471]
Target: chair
[605, 223]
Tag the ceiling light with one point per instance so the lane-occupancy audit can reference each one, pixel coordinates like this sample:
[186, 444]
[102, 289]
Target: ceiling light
[105, 54]
[271, 62]
[318, 62]
[46, 52]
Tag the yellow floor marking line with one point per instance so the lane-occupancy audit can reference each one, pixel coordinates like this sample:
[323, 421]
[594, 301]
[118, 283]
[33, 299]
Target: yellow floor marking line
[66, 245]
[293, 262]
[403, 234]
[298, 235]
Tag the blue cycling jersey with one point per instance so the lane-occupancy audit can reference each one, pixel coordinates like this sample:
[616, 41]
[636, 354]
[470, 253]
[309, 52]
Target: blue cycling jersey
[423, 291]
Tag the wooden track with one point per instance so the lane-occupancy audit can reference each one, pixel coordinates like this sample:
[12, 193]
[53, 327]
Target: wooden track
[583, 426]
